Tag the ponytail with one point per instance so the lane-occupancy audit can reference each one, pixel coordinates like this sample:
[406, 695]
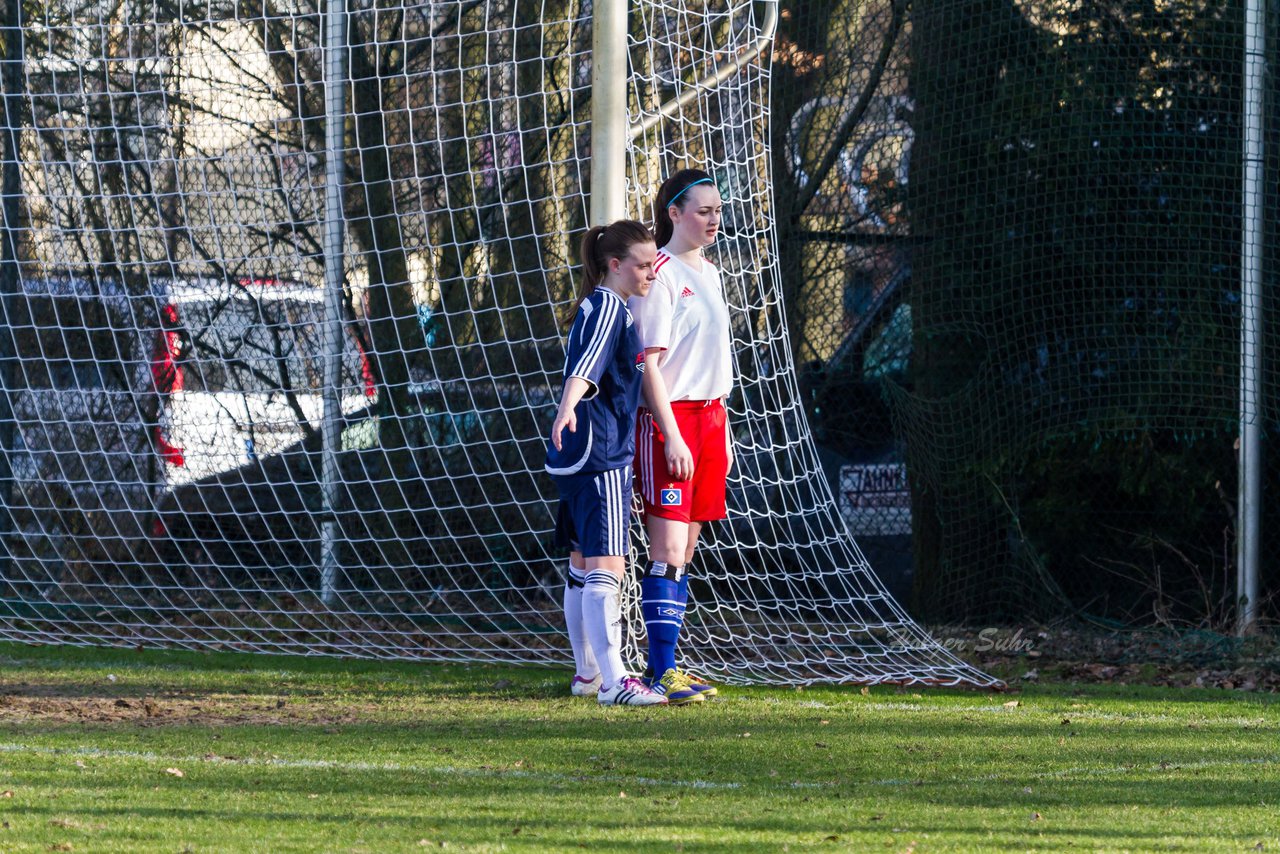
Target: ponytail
[602, 242]
[672, 192]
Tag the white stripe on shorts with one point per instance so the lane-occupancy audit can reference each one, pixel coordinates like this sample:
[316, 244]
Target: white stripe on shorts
[614, 490]
[622, 505]
[611, 510]
[621, 527]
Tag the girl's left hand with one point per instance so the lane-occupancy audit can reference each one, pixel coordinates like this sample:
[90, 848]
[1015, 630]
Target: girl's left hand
[563, 419]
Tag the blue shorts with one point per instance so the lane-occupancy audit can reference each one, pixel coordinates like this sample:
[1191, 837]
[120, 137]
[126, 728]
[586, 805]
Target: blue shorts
[595, 512]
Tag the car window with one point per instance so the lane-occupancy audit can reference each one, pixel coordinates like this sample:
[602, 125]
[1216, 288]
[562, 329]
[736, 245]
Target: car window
[254, 344]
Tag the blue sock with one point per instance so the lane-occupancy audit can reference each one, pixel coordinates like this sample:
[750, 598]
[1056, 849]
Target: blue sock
[663, 615]
[682, 596]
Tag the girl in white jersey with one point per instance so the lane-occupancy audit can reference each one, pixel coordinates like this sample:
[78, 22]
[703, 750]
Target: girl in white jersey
[683, 445]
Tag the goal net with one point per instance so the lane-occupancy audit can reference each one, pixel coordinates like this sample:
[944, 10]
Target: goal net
[169, 475]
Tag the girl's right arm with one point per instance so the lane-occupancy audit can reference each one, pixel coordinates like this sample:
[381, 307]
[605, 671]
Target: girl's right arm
[566, 416]
[657, 399]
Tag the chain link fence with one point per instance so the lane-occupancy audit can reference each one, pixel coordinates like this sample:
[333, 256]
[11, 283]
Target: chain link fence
[1012, 236]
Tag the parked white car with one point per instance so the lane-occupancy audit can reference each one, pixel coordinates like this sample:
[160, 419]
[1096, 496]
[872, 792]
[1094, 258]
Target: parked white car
[248, 363]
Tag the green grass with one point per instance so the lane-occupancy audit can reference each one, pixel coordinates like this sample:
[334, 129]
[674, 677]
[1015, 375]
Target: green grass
[290, 754]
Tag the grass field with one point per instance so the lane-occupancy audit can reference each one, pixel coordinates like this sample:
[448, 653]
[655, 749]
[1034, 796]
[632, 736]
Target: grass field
[105, 750]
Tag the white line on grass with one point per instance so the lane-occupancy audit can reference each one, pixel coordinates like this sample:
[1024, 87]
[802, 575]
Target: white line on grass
[925, 708]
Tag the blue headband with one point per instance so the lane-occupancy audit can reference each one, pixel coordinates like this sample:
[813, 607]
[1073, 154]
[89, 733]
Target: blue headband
[687, 186]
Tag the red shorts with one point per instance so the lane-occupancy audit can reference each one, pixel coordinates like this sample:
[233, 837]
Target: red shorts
[702, 425]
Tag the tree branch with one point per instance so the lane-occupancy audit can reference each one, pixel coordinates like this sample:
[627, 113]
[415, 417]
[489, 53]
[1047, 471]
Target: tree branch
[806, 193]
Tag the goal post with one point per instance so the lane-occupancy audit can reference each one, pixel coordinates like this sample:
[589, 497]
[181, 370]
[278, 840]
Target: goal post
[335, 80]
[292, 289]
[609, 128]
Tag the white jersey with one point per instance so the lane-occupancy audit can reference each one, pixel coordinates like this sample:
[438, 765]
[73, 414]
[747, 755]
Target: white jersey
[686, 315]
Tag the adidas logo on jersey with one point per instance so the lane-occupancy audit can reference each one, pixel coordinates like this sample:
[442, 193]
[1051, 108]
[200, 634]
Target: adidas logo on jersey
[687, 292]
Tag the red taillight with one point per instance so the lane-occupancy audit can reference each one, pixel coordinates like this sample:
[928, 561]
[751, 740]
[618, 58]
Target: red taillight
[165, 369]
[366, 373]
[168, 452]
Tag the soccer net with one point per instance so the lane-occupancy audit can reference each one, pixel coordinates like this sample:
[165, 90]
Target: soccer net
[164, 465]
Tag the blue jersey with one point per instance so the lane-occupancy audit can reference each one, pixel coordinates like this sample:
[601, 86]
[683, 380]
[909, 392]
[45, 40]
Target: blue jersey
[603, 349]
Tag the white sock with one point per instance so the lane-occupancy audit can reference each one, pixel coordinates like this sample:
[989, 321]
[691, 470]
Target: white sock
[602, 618]
[584, 660]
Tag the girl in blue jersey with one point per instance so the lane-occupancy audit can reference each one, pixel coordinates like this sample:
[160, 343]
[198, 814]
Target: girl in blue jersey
[590, 451]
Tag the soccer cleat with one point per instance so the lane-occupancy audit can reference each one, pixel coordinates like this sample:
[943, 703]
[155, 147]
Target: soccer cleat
[580, 687]
[697, 683]
[630, 692]
[676, 688]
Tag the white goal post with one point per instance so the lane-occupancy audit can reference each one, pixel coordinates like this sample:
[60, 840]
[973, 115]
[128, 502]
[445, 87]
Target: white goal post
[287, 281]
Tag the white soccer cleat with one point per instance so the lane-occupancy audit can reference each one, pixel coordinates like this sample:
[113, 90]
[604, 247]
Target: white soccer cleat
[630, 692]
[585, 687]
